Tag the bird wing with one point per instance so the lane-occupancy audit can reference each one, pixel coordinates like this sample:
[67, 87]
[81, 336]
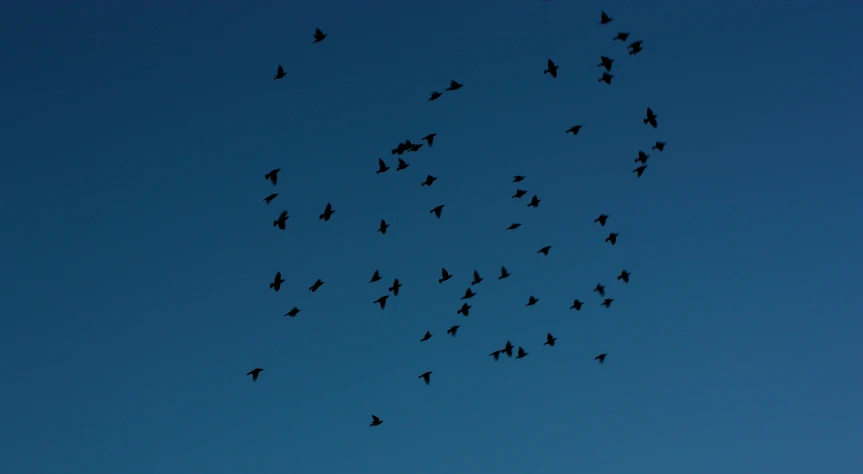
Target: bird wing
[381, 164]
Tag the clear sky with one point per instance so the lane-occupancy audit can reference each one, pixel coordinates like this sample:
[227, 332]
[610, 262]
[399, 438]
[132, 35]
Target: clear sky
[137, 251]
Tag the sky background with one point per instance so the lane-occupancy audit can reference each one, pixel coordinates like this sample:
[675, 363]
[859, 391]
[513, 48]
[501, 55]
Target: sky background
[137, 251]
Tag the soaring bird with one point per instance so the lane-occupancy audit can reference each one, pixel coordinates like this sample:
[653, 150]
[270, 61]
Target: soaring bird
[519, 193]
[521, 353]
[549, 340]
[319, 35]
[604, 19]
[476, 278]
[317, 284]
[273, 175]
[601, 219]
[280, 73]
[642, 157]
[382, 166]
[635, 47]
[600, 357]
[607, 302]
[269, 198]
[454, 86]
[639, 171]
[621, 37]
[426, 376]
[426, 336]
[658, 146]
[513, 226]
[277, 282]
[395, 287]
[429, 138]
[534, 201]
[612, 237]
[382, 301]
[402, 165]
[293, 312]
[375, 277]
[383, 227]
[496, 354]
[468, 294]
[437, 210]
[517, 179]
[464, 310]
[574, 129]
[507, 349]
[600, 288]
[254, 373]
[280, 222]
[532, 301]
[429, 180]
[451, 331]
[576, 305]
[650, 118]
[503, 273]
[624, 275]
[544, 250]
[605, 62]
[434, 96]
[375, 421]
[606, 78]
[552, 69]
[444, 275]
[328, 212]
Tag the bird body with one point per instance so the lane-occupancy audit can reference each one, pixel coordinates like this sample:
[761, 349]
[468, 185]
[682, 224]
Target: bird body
[552, 69]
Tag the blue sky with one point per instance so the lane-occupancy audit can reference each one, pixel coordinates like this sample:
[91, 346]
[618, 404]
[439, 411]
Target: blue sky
[136, 251]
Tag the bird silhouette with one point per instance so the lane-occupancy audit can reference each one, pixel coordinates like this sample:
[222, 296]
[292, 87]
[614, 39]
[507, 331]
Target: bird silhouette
[426, 336]
[621, 37]
[552, 69]
[639, 171]
[273, 175]
[544, 250]
[395, 287]
[607, 302]
[517, 179]
[658, 146]
[507, 349]
[601, 219]
[415, 147]
[468, 294]
[280, 73]
[429, 180]
[503, 273]
[464, 310]
[269, 198]
[434, 96]
[576, 305]
[328, 212]
[382, 301]
[426, 377]
[375, 421]
[445, 275]
[293, 312]
[519, 193]
[437, 210]
[606, 78]
[375, 277]
[399, 149]
[383, 227]
[476, 278]
[496, 355]
[574, 129]
[635, 47]
[280, 222]
[319, 283]
[612, 237]
[429, 138]
[642, 157]
[254, 373]
[650, 118]
[319, 35]
[277, 282]
[600, 357]
[451, 331]
[604, 19]
[382, 166]
[454, 86]
[605, 62]
[549, 340]
[624, 275]
[534, 201]
[521, 353]
[600, 289]
[402, 165]
[513, 226]
[532, 301]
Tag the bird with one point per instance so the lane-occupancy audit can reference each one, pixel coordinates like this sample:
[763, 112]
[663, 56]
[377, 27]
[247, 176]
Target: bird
[319, 283]
[426, 336]
[621, 37]
[606, 78]
[534, 201]
[415, 147]
[437, 210]
[612, 237]
[605, 62]
[600, 357]
[574, 129]
[445, 275]
[426, 376]
[402, 165]
[503, 273]
[382, 166]
[607, 302]
[280, 73]
[269, 198]
[476, 278]
[395, 287]
[383, 227]
[600, 288]
[319, 35]
[454, 86]
[277, 282]
[604, 19]
[521, 353]
[513, 226]
[549, 340]
[496, 354]
[399, 149]
[328, 212]
[576, 305]
[429, 181]
[451, 331]
[434, 96]
[375, 277]
[293, 312]
[429, 138]
[601, 219]
[519, 193]
[464, 310]
[544, 250]
[273, 175]
[382, 301]
[468, 294]
[639, 171]
[624, 275]
[254, 373]
[532, 301]
[552, 69]
[635, 47]
[517, 179]
[650, 118]
[658, 146]
[642, 157]
[375, 421]
[280, 222]
[507, 349]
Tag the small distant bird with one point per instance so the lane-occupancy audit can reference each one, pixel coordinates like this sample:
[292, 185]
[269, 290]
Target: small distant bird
[635, 47]
[650, 118]
[254, 373]
[496, 354]
[375, 277]
[468, 294]
[402, 165]
[426, 376]
[639, 171]
[328, 212]
[429, 138]
[507, 349]
[269, 198]
[517, 179]
[600, 357]
[399, 149]
[464, 310]
[600, 289]
[544, 250]
[621, 37]
[437, 210]
[319, 283]
[375, 421]
[604, 19]
[476, 278]
[513, 226]
[454, 86]
[606, 78]
[382, 301]
[605, 62]
[444, 275]
[416, 147]
[574, 129]
[429, 180]
[293, 312]
[426, 336]
[280, 222]
[612, 237]
[658, 146]
[434, 96]
[624, 275]
[534, 201]
[607, 302]
[395, 287]
[277, 282]
[576, 305]
[642, 157]
[552, 69]
[383, 227]
[521, 353]
[280, 73]
[519, 193]
[451, 331]
[319, 35]
[601, 219]
[273, 175]
[503, 273]
[382, 166]
[532, 301]
[549, 340]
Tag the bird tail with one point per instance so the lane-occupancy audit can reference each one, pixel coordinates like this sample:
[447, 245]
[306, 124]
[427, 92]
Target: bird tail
[275, 223]
[321, 217]
[545, 72]
[272, 285]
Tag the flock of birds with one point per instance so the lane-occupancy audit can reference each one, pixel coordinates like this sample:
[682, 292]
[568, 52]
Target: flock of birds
[407, 146]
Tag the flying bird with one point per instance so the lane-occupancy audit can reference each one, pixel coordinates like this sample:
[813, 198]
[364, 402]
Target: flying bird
[507, 349]
[402, 165]
[503, 273]
[635, 47]
[605, 62]
[621, 37]
[375, 421]
[382, 166]
[639, 171]
[650, 118]
[468, 294]
[416, 147]
[375, 277]
[612, 237]
[254, 373]
[601, 219]
[496, 354]
[549, 340]
[574, 129]
[426, 336]
[328, 212]
[476, 278]
[395, 287]
[519, 193]
[552, 69]
[624, 275]
[544, 250]
[452, 330]
[445, 275]
[534, 201]
[521, 353]
[429, 180]
[576, 305]
[277, 282]
[513, 226]
[454, 86]
[382, 301]
[604, 19]
[400, 149]
[658, 146]
[426, 376]
[607, 302]
[429, 138]
[532, 301]
[383, 227]
[269, 198]
[642, 157]
[434, 96]
[273, 175]
[319, 283]
[437, 210]
[464, 310]
[600, 289]
[600, 357]
[517, 179]
[280, 73]
[280, 222]
[606, 78]
[319, 35]
[293, 312]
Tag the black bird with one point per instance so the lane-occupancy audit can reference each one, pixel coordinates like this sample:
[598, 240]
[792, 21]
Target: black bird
[383, 228]
[519, 193]
[429, 180]
[464, 310]
[408, 145]
[375, 277]
[624, 275]
[503, 273]
[612, 237]
[444, 275]
[402, 165]
[605, 62]
[382, 301]
[607, 302]
[476, 278]
[576, 305]
[604, 19]
[280, 73]
[437, 210]
[426, 336]
[601, 219]
[399, 149]
[426, 376]
[651, 118]
[452, 330]
[429, 138]
[658, 146]
[642, 157]
[544, 250]
[416, 147]
[496, 354]
[606, 78]
[273, 175]
[513, 226]
[328, 212]
[375, 421]
[277, 282]
[280, 222]
[621, 36]
[507, 349]
[254, 373]
[532, 301]
[517, 179]
[270, 197]
[600, 288]
[521, 353]
[434, 96]
[468, 294]
[293, 312]
[600, 357]
[552, 69]
[395, 287]
[319, 283]
[574, 129]
[639, 171]
[534, 201]
[319, 35]
[454, 86]
[382, 166]
[549, 340]
[635, 47]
